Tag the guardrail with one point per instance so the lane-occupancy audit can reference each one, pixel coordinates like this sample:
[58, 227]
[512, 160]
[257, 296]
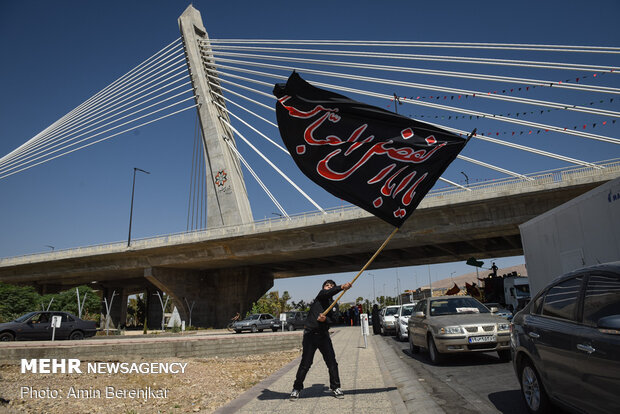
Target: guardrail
[560, 176]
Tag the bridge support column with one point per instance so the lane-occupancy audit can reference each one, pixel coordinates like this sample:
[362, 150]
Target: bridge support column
[214, 296]
[118, 308]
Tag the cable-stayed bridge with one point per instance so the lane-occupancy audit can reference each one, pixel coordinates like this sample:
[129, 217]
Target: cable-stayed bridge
[235, 260]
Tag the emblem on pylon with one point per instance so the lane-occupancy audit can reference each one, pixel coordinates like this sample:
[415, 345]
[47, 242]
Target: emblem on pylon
[221, 178]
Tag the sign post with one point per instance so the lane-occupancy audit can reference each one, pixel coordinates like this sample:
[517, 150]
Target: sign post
[56, 320]
[364, 325]
[283, 319]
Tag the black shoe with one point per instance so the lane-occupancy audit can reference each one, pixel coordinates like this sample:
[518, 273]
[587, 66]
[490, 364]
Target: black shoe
[338, 393]
[294, 395]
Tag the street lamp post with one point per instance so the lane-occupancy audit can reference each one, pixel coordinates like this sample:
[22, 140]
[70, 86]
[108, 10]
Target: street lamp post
[466, 178]
[133, 187]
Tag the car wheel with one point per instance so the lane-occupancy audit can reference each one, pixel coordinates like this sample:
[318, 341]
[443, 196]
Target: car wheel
[291, 327]
[414, 349]
[532, 390]
[237, 330]
[504, 355]
[6, 336]
[434, 355]
[254, 329]
[76, 335]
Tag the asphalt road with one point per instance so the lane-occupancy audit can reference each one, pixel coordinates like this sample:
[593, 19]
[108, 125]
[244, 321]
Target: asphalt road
[468, 383]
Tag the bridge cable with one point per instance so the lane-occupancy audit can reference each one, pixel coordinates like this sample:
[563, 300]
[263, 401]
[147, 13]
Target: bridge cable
[495, 78]
[457, 45]
[425, 58]
[260, 182]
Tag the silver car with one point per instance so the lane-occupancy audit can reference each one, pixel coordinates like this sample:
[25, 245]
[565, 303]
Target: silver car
[457, 324]
[254, 323]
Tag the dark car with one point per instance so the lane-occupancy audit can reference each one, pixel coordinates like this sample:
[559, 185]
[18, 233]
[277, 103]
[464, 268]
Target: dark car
[295, 320]
[255, 323]
[35, 326]
[566, 343]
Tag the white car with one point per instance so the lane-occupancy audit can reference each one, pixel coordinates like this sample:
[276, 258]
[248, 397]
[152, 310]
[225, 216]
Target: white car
[402, 331]
[388, 319]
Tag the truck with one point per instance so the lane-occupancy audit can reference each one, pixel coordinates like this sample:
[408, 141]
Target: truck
[582, 232]
[509, 290]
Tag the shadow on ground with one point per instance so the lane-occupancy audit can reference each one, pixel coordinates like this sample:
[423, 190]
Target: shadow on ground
[318, 391]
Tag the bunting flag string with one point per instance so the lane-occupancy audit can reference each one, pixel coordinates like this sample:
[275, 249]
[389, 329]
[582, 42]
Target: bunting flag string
[506, 91]
[516, 114]
[525, 132]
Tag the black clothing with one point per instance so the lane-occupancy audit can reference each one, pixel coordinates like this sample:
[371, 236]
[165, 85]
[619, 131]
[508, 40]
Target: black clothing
[312, 341]
[321, 302]
[376, 323]
[316, 336]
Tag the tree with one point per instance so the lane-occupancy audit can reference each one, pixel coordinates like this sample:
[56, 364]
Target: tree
[67, 301]
[300, 306]
[16, 300]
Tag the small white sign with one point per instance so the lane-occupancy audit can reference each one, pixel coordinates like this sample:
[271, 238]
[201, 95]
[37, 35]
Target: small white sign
[56, 320]
[283, 317]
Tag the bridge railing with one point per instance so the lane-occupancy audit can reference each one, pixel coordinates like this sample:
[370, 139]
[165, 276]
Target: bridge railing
[558, 176]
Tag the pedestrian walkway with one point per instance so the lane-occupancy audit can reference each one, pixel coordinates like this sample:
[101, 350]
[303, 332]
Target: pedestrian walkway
[373, 380]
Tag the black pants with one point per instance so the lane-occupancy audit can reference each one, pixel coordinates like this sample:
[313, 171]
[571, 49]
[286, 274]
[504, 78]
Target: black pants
[311, 342]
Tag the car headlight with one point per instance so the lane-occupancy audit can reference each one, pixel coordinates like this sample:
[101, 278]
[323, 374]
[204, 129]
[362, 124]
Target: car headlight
[503, 326]
[450, 330]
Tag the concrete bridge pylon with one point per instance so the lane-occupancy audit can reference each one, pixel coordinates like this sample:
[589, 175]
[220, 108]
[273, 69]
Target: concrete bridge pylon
[227, 198]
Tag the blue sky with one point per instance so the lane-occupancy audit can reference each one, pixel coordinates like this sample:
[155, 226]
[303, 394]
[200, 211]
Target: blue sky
[57, 54]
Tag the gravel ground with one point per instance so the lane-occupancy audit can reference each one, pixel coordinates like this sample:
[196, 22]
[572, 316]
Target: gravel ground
[206, 385]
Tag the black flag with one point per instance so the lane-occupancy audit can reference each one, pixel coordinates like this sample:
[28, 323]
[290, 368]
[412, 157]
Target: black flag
[382, 162]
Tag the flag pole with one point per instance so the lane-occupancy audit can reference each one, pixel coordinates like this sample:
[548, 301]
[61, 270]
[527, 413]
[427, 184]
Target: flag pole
[361, 271]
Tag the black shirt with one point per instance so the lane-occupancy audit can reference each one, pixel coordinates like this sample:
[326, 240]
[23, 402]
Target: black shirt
[321, 302]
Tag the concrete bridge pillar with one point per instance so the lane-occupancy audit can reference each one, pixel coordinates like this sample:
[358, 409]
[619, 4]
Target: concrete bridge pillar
[216, 295]
[117, 305]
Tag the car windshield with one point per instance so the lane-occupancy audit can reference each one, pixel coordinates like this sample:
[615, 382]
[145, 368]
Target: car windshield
[252, 317]
[391, 311]
[23, 318]
[522, 290]
[454, 306]
[406, 311]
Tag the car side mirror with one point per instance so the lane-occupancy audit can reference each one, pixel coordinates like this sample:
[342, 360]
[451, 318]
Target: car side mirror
[419, 314]
[609, 324]
[493, 309]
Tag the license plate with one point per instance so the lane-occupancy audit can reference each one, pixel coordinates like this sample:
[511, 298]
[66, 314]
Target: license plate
[478, 339]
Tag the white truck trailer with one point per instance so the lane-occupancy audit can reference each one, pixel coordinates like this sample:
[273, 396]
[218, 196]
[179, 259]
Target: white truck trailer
[582, 232]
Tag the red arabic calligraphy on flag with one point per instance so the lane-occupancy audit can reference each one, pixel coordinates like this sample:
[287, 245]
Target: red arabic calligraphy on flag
[382, 162]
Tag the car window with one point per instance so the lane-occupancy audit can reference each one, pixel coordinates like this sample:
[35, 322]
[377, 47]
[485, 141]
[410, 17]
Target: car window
[391, 311]
[602, 298]
[23, 318]
[267, 316]
[253, 317]
[561, 300]
[40, 318]
[454, 306]
[420, 307]
[537, 305]
[406, 311]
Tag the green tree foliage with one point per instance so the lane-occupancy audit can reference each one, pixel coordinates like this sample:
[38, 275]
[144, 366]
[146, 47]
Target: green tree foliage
[300, 306]
[16, 300]
[272, 303]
